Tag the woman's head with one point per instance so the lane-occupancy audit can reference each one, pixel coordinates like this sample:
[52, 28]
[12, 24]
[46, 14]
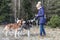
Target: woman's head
[38, 5]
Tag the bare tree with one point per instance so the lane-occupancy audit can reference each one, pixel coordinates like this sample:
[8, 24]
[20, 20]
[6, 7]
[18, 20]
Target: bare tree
[16, 8]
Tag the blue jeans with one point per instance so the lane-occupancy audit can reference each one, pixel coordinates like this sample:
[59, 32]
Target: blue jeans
[42, 31]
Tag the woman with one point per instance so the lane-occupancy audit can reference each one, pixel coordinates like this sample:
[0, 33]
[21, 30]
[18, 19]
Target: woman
[40, 15]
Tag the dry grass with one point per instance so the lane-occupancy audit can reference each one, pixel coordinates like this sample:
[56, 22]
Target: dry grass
[52, 34]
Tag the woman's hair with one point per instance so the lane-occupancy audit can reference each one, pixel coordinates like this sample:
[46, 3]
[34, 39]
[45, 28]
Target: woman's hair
[39, 3]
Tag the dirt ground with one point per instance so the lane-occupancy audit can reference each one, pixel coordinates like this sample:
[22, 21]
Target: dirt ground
[51, 34]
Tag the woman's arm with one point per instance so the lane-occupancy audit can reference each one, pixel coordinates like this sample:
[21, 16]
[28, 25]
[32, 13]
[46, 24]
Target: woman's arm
[40, 13]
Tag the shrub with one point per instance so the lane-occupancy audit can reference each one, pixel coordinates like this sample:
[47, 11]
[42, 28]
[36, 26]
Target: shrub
[54, 21]
[2, 18]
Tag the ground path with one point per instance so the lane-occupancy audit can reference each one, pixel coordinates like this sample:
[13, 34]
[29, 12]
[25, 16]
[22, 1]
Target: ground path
[52, 34]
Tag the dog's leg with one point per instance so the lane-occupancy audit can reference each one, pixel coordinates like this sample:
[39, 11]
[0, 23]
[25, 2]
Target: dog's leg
[21, 31]
[16, 33]
[6, 33]
[28, 33]
[6, 29]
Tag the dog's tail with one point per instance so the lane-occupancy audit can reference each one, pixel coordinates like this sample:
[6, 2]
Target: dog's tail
[5, 29]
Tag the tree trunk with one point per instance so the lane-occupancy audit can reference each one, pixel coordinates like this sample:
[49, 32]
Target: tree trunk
[18, 8]
[14, 8]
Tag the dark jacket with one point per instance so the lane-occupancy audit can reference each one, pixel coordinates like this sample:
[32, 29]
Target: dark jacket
[41, 16]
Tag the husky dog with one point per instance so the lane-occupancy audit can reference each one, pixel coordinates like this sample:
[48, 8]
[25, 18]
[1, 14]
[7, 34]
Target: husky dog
[27, 26]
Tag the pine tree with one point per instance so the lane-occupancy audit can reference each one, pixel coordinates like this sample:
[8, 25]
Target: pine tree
[52, 7]
[5, 10]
